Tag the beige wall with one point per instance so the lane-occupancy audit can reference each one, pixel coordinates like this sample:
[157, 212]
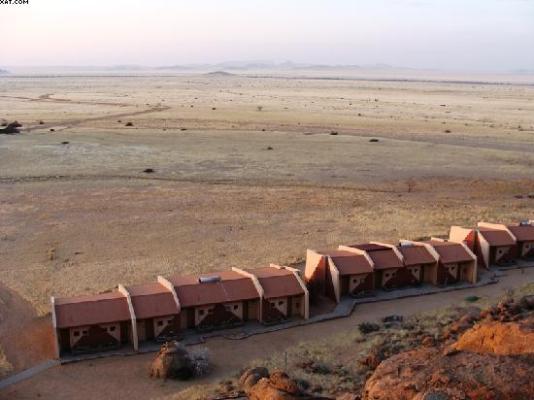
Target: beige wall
[453, 269]
[77, 333]
[484, 249]
[313, 261]
[501, 251]
[280, 303]
[458, 234]
[527, 246]
[388, 274]
[355, 281]
[202, 312]
[160, 324]
[416, 271]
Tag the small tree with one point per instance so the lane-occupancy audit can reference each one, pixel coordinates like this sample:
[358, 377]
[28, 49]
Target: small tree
[259, 108]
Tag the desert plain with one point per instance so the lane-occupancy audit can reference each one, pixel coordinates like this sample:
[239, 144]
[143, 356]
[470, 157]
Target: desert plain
[118, 179]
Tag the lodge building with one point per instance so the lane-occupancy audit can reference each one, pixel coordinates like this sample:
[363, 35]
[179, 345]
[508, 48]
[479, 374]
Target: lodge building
[169, 308]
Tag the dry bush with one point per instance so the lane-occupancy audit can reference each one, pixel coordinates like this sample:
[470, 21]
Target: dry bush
[200, 362]
[5, 366]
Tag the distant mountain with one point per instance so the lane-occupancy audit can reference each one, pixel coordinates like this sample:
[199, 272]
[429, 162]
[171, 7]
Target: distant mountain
[126, 67]
[219, 73]
[4, 72]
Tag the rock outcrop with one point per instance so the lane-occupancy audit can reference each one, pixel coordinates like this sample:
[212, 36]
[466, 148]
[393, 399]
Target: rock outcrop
[491, 360]
[427, 373]
[172, 361]
[258, 384]
[500, 338]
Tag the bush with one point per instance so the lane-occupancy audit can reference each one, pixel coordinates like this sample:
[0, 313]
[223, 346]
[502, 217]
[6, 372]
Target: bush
[368, 327]
[472, 299]
[200, 362]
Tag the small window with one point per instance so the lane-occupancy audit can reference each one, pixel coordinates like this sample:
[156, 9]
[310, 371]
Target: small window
[281, 303]
[236, 306]
[210, 311]
[200, 312]
[76, 333]
[272, 304]
[84, 332]
[169, 321]
[160, 323]
[112, 329]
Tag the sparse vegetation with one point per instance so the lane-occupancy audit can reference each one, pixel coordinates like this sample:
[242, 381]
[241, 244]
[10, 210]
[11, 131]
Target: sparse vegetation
[472, 299]
[5, 366]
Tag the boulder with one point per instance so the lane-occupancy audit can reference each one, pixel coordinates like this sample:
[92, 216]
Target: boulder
[251, 376]
[276, 386]
[173, 361]
[501, 338]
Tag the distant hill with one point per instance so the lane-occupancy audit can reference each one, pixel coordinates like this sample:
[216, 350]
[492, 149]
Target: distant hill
[219, 73]
[4, 71]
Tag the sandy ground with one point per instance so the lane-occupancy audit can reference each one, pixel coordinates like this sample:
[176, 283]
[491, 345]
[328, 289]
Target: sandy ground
[247, 172]
[126, 377]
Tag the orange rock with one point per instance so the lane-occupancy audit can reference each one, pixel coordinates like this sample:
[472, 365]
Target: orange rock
[425, 373]
[502, 338]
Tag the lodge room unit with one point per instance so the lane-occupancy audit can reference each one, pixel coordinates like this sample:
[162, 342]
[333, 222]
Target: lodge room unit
[92, 323]
[457, 263]
[524, 235]
[338, 273]
[421, 261]
[388, 264]
[492, 243]
[157, 311]
[216, 300]
[284, 294]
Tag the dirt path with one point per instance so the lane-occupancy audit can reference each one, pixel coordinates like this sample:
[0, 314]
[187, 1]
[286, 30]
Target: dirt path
[73, 122]
[127, 378]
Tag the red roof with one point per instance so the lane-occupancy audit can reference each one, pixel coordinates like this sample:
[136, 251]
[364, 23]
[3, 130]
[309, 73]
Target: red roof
[497, 237]
[416, 254]
[383, 257]
[91, 310]
[232, 286]
[450, 252]
[523, 233]
[152, 300]
[369, 247]
[277, 282]
[349, 263]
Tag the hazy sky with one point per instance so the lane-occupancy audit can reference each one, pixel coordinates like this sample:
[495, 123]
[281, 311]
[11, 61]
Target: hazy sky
[446, 34]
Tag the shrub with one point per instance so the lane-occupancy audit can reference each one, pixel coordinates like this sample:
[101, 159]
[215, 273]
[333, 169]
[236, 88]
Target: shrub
[200, 362]
[368, 327]
[472, 299]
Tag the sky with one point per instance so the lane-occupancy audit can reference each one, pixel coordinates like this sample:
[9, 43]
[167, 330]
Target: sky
[466, 35]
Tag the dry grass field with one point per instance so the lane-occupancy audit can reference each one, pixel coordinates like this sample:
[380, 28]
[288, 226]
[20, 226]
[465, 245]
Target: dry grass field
[246, 171]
